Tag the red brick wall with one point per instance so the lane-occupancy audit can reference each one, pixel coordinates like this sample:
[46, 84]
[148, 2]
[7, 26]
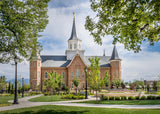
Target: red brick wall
[58, 70]
[115, 69]
[77, 63]
[35, 74]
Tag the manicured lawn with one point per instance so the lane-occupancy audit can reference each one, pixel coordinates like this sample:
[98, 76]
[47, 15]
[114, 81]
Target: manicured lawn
[126, 102]
[48, 99]
[4, 100]
[51, 109]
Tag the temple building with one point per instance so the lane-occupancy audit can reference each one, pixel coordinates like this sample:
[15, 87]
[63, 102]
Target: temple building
[72, 64]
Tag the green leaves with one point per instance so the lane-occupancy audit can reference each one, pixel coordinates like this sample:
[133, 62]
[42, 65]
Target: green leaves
[20, 23]
[129, 21]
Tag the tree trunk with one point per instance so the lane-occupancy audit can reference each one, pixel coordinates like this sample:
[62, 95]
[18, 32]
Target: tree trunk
[96, 96]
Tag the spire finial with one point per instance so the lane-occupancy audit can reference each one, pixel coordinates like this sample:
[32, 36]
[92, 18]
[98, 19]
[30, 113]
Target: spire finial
[74, 15]
[104, 53]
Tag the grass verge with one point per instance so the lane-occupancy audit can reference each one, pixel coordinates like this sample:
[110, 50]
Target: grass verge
[51, 109]
[126, 102]
[48, 99]
[4, 100]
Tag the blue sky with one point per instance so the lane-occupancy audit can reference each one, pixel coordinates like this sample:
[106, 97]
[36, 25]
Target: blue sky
[135, 66]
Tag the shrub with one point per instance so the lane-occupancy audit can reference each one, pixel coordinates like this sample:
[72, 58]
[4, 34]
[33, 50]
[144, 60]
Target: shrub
[130, 98]
[149, 97]
[102, 97]
[117, 98]
[137, 98]
[46, 93]
[158, 97]
[111, 98]
[153, 97]
[143, 98]
[71, 96]
[123, 98]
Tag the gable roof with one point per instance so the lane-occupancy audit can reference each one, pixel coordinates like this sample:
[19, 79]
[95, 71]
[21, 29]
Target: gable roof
[61, 60]
[54, 61]
[104, 60]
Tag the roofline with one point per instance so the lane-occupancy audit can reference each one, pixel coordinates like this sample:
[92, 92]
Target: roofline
[74, 58]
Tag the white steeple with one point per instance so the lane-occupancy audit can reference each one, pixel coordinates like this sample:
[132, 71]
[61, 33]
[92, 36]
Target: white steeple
[74, 44]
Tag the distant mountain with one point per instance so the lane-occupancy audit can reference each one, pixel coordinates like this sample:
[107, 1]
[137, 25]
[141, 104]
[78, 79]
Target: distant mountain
[12, 81]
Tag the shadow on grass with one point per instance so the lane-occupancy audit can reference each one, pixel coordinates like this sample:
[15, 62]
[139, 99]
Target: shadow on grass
[51, 112]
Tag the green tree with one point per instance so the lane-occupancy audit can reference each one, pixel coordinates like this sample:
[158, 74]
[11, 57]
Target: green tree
[117, 82]
[3, 83]
[107, 79]
[76, 83]
[129, 21]
[52, 82]
[20, 23]
[94, 79]
[9, 87]
[155, 86]
[60, 82]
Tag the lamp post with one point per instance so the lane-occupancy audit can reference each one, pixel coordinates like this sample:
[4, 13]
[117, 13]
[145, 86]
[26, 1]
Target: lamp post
[86, 95]
[22, 87]
[15, 93]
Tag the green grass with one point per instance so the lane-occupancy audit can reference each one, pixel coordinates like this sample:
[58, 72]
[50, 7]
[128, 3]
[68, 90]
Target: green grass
[51, 109]
[4, 100]
[126, 102]
[48, 99]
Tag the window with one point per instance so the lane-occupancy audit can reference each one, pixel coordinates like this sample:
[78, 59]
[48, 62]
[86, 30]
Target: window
[39, 73]
[38, 64]
[77, 73]
[72, 85]
[83, 84]
[63, 85]
[35, 64]
[70, 46]
[71, 74]
[83, 74]
[45, 74]
[55, 74]
[79, 46]
[113, 64]
[117, 74]
[113, 74]
[117, 64]
[63, 75]
[75, 46]
[35, 74]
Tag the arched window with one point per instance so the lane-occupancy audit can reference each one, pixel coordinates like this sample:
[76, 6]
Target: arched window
[70, 46]
[55, 74]
[117, 64]
[83, 74]
[63, 75]
[113, 74]
[45, 74]
[117, 74]
[83, 84]
[75, 46]
[77, 73]
[71, 74]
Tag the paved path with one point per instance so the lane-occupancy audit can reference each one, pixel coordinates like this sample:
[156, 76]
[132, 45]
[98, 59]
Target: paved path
[23, 103]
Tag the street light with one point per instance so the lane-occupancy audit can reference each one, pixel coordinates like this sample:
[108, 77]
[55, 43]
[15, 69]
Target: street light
[15, 93]
[22, 87]
[86, 96]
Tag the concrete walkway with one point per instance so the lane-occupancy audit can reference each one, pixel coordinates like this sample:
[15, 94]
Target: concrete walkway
[23, 103]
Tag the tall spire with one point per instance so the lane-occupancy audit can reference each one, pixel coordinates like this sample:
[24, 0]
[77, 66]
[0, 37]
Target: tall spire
[115, 54]
[73, 34]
